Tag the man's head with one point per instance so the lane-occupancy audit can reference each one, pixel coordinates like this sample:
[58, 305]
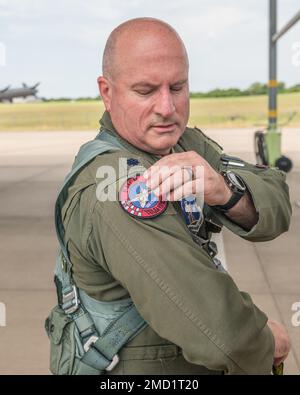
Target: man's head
[145, 84]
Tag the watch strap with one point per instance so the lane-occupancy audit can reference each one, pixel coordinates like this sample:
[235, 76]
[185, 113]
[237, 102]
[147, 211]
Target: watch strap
[237, 193]
[236, 196]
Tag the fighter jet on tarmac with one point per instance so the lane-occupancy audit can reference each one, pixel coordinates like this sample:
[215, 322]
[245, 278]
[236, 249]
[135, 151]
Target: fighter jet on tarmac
[8, 94]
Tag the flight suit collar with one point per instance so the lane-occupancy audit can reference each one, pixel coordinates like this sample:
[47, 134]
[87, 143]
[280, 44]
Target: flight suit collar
[107, 124]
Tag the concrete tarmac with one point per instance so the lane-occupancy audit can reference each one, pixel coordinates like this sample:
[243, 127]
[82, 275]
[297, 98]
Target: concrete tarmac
[33, 166]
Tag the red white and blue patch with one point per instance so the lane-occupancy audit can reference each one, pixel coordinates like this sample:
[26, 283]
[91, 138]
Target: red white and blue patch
[138, 201]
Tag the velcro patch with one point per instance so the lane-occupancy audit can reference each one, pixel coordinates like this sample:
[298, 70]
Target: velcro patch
[192, 213]
[138, 201]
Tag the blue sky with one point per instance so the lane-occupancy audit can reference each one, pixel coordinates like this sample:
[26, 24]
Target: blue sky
[60, 43]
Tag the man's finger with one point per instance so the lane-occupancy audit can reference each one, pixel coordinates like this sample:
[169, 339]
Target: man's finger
[159, 175]
[182, 191]
[177, 179]
[181, 159]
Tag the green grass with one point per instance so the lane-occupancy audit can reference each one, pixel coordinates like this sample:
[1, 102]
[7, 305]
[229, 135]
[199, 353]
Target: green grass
[205, 112]
[243, 111]
[51, 116]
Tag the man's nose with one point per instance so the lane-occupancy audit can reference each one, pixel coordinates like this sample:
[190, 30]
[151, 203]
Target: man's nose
[164, 104]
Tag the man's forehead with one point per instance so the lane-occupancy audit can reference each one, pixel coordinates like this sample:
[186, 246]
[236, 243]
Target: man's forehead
[152, 67]
[154, 78]
[147, 82]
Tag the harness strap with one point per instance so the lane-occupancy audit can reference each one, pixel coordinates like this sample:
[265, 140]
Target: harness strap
[100, 351]
[86, 153]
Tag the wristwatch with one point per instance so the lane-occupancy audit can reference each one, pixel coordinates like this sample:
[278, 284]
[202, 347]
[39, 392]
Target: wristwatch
[237, 186]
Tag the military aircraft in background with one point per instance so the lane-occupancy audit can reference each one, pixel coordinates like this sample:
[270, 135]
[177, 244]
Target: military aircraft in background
[8, 94]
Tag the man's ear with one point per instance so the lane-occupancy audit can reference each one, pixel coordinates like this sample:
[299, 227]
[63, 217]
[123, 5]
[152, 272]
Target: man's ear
[105, 91]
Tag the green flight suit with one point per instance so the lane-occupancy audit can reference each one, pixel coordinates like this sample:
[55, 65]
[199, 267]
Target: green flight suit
[199, 322]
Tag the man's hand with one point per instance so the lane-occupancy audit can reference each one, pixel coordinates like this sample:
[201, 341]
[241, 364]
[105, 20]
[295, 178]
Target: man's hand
[282, 342]
[170, 179]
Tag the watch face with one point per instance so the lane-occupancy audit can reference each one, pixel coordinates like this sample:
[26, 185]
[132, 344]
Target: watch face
[236, 181]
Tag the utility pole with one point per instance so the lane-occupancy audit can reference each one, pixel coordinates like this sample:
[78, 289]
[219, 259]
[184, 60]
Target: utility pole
[269, 144]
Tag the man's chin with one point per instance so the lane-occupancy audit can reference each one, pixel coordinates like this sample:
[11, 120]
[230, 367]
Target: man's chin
[163, 146]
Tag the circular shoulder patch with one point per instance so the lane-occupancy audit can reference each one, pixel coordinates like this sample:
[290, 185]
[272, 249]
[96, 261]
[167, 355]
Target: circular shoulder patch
[136, 199]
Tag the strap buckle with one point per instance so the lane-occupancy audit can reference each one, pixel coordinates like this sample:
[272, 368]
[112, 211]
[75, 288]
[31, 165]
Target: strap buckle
[212, 248]
[113, 363]
[89, 343]
[70, 301]
[212, 226]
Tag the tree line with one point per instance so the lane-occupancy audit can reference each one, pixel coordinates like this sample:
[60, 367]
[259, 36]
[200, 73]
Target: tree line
[257, 88]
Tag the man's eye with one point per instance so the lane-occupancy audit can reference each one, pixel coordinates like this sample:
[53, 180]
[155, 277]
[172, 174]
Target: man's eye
[144, 93]
[176, 88]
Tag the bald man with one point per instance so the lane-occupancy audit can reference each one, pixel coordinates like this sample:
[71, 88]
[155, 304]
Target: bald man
[140, 289]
